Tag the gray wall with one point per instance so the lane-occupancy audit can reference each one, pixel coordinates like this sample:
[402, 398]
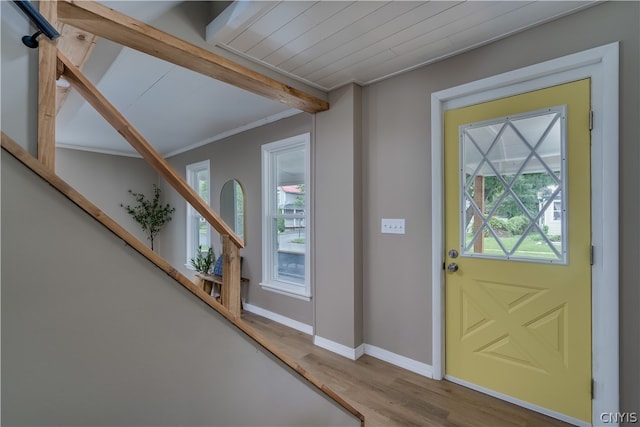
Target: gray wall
[397, 178]
[238, 157]
[105, 180]
[94, 334]
[337, 208]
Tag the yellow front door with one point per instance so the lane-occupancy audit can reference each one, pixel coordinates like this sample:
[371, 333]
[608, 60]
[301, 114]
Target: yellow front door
[518, 241]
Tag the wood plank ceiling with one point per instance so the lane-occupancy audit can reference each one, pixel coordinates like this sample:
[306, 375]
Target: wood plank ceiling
[322, 44]
[330, 43]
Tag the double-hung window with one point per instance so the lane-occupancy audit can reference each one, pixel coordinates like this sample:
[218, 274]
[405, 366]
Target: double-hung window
[285, 219]
[198, 230]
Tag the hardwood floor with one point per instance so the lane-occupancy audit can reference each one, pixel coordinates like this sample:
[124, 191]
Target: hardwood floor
[389, 396]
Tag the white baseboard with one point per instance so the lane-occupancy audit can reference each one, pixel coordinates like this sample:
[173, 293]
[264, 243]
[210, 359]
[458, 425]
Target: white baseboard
[294, 324]
[398, 360]
[377, 352]
[341, 349]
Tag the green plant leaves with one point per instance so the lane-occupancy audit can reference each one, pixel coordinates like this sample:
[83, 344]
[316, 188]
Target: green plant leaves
[150, 214]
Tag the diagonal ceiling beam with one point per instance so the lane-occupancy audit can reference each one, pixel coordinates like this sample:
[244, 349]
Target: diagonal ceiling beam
[110, 24]
[77, 45]
[93, 96]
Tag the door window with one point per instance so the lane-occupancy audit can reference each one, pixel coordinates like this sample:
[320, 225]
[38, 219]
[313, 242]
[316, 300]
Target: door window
[513, 187]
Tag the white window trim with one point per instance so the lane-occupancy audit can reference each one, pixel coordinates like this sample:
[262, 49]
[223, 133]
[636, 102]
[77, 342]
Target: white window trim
[267, 282]
[191, 169]
[601, 64]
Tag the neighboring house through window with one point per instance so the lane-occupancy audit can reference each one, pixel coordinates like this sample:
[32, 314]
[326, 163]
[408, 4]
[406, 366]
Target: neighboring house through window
[552, 217]
[198, 230]
[285, 206]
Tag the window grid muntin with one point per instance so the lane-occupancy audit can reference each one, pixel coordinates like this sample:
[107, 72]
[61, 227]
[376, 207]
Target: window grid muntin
[561, 181]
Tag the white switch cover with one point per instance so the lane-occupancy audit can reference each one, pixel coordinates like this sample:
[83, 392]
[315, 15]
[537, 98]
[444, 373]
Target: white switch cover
[393, 225]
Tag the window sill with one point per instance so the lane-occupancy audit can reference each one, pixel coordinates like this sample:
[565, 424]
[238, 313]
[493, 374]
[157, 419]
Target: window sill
[279, 290]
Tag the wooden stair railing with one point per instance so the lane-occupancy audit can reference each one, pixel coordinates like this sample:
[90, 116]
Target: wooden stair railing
[44, 172]
[92, 95]
[231, 242]
[104, 22]
[68, 191]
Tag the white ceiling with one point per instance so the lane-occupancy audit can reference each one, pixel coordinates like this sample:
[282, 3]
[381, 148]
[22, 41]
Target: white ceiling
[322, 44]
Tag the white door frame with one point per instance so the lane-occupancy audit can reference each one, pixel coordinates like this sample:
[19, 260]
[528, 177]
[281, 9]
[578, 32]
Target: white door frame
[601, 65]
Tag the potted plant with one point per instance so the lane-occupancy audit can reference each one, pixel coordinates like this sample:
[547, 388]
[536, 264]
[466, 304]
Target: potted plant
[150, 214]
[204, 259]
[202, 263]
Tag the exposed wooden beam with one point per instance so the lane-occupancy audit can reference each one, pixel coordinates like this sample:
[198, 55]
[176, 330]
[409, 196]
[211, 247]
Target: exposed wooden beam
[47, 92]
[110, 24]
[119, 122]
[77, 45]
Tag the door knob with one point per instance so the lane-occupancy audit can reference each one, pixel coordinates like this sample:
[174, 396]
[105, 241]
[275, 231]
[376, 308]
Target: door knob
[452, 267]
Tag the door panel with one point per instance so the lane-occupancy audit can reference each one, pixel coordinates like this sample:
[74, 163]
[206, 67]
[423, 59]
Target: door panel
[518, 309]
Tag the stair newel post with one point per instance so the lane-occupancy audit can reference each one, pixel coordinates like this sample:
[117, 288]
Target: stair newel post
[231, 275]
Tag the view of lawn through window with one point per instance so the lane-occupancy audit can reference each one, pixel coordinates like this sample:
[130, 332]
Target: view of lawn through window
[512, 190]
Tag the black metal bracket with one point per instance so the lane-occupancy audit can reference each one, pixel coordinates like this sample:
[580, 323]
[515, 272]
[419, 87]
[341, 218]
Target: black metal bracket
[44, 27]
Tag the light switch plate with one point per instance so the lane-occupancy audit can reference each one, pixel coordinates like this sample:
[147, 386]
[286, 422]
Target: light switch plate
[392, 226]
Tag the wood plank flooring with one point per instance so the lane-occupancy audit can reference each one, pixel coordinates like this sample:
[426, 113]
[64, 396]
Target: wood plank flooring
[389, 396]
